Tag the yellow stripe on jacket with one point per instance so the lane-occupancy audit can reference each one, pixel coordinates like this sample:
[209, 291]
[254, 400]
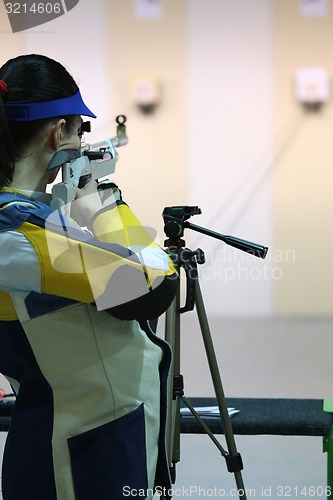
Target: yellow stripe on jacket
[83, 271]
[7, 309]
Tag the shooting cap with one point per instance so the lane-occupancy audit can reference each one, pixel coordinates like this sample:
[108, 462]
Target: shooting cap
[26, 111]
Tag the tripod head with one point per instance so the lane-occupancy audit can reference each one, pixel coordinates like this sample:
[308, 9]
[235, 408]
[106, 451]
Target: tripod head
[175, 222]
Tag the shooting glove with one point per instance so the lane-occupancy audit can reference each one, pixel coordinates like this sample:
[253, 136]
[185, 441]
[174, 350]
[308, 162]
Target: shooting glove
[108, 192]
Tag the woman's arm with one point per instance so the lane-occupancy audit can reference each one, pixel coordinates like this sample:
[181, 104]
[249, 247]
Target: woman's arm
[120, 268]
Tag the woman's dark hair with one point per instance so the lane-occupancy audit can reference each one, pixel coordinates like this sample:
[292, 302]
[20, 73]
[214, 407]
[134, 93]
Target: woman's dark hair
[34, 78]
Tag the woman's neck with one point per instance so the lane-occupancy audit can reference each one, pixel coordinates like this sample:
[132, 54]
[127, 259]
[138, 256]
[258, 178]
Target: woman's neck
[31, 173]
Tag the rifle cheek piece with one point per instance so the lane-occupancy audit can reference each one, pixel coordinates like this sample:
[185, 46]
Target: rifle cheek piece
[91, 161]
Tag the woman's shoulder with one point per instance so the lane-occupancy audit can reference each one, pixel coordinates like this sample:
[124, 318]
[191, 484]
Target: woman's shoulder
[19, 264]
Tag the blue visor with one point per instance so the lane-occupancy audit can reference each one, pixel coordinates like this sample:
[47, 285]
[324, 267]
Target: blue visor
[25, 111]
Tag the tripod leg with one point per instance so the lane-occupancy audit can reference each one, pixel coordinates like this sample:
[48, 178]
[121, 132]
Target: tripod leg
[172, 336]
[234, 462]
[175, 390]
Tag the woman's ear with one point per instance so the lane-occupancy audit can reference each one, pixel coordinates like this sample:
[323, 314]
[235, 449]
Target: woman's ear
[58, 134]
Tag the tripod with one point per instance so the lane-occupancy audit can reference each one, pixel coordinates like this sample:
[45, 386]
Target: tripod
[175, 219]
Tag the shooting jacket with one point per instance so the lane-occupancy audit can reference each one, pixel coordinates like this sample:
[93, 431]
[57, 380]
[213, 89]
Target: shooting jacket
[88, 373]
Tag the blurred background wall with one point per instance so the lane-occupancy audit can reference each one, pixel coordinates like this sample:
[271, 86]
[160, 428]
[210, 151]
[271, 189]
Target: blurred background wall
[228, 136]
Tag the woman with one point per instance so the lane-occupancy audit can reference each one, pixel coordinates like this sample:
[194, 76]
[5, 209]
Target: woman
[88, 374]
